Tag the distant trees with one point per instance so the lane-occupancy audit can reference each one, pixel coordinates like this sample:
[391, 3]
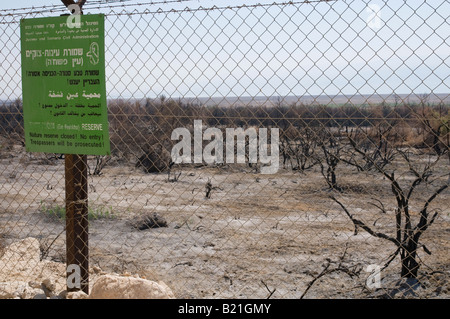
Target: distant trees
[332, 148]
[309, 134]
[11, 121]
[434, 124]
[11, 117]
[298, 146]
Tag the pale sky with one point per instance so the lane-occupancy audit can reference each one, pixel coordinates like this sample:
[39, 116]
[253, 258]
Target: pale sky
[308, 49]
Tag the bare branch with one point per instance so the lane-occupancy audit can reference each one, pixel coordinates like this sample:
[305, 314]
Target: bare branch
[271, 292]
[45, 251]
[426, 250]
[423, 223]
[420, 177]
[370, 160]
[391, 258]
[327, 271]
[406, 157]
[380, 207]
[359, 223]
[311, 283]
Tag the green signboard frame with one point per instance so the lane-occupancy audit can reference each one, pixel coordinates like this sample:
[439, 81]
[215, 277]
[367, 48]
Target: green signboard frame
[63, 83]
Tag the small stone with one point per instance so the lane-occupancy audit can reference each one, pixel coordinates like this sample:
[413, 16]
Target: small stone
[48, 287]
[96, 270]
[77, 295]
[34, 284]
[49, 284]
[29, 293]
[40, 296]
[63, 294]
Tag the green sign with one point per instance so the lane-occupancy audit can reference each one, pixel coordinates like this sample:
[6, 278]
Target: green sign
[63, 83]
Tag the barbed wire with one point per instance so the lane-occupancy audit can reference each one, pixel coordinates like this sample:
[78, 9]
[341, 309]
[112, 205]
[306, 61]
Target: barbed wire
[88, 5]
[61, 6]
[257, 5]
[98, 5]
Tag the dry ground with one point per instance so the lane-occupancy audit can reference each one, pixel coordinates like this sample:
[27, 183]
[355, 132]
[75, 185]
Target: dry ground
[257, 236]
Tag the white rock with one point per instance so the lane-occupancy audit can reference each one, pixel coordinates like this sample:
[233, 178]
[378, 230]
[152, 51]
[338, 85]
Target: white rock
[21, 257]
[30, 292]
[9, 290]
[24, 275]
[119, 287]
[20, 263]
[17, 289]
[76, 295]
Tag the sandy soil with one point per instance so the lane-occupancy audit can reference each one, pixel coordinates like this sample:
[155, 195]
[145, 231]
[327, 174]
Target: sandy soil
[257, 236]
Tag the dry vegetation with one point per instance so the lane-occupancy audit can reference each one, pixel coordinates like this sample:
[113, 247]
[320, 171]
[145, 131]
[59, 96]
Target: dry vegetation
[356, 186]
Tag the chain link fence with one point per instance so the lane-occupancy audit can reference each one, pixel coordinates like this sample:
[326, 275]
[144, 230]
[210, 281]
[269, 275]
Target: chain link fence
[314, 161]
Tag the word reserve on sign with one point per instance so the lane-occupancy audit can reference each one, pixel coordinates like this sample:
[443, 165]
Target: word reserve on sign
[64, 91]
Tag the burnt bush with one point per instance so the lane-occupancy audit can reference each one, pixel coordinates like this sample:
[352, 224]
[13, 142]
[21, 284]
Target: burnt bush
[156, 159]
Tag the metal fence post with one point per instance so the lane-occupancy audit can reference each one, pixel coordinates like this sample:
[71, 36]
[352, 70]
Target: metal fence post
[77, 249]
[77, 222]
